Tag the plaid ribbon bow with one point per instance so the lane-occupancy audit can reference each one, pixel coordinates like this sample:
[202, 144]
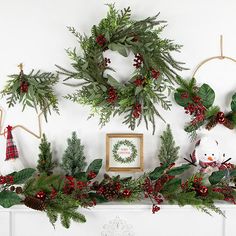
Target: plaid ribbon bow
[11, 149]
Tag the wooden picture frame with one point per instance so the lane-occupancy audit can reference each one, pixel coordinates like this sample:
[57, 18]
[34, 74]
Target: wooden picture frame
[124, 152]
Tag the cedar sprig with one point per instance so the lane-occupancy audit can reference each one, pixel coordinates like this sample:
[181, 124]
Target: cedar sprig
[39, 93]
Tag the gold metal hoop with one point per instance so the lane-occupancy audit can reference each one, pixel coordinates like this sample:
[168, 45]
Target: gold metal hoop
[220, 57]
[39, 135]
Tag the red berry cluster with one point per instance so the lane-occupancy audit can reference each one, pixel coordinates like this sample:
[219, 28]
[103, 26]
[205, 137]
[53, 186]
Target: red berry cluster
[220, 117]
[112, 95]
[195, 185]
[9, 179]
[107, 61]
[91, 175]
[137, 110]
[101, 40]
[138, 61]
[227, 191]
[53, 193]
[155, 74]
[151, 190]
[41, 195]
[71, 184]
[196, 109]
[155, 208]
[127, 193]
[24, 86]
[139, 81]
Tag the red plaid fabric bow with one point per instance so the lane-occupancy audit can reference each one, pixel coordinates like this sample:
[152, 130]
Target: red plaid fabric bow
[11, 149]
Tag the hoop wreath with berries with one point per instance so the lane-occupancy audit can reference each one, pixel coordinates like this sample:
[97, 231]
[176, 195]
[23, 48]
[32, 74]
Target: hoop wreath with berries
[128, 144]
[198, 102]
[154, 68]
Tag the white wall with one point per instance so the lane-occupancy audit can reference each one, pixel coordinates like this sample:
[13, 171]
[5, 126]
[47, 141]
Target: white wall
[34, 32]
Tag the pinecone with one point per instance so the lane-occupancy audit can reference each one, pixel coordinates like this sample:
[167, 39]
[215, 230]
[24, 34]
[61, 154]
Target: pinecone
[34, 203]
[212, 123]
[110, 192]
[228, 123]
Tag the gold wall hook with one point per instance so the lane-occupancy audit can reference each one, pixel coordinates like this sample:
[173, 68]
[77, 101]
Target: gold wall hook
[221, 57]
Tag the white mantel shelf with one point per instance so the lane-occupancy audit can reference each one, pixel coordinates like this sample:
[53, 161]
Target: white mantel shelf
[125, 219]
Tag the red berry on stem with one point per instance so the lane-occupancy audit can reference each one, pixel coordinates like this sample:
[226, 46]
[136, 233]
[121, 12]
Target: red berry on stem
[101, 40]
[127, 193]
[41, 195]
[155, 74]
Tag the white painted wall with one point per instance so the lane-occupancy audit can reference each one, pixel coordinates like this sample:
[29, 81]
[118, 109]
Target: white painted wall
[34, 32]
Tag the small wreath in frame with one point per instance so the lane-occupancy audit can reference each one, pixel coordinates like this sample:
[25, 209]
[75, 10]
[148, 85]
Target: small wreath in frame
[128, 144]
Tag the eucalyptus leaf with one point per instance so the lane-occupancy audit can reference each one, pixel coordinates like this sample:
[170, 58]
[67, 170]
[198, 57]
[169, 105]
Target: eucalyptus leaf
[8, 199]
[113, 82]
[207, 95]
[119, 48]
[233, 103]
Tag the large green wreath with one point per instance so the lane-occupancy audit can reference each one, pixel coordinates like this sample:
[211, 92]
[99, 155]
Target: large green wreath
[151, 81]
[120, 159]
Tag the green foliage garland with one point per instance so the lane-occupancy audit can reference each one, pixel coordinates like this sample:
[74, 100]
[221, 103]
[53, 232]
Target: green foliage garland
[151, 81]
[126, 143]
[32, 90]
[60, 196]
[198, 102]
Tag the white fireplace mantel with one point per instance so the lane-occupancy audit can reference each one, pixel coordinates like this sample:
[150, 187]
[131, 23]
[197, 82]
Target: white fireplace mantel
[119, 219]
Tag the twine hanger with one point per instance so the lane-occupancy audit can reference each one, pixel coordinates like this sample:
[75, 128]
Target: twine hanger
[220, 57]
[39, 135]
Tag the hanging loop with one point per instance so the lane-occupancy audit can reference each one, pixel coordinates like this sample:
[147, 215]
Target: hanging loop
[220, 57]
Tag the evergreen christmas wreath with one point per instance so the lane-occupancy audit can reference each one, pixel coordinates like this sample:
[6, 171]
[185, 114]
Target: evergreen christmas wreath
[151, 81]
[32, 90]
[128, 144]
[198, 102]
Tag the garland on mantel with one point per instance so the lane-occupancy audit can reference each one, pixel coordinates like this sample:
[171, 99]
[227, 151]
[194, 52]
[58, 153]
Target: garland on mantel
[60, 195]
[154, 68]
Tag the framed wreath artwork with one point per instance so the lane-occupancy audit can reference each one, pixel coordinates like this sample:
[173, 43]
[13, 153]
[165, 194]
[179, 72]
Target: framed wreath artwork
[124, 152]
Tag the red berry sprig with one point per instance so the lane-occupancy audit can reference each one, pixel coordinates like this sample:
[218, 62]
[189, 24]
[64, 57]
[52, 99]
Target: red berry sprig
[220, 117]
[41, 195]
[137, 110]
[155, 208]
[9, 179]
[91, 175]
[155, 74]
[139, 81]
[127, 193]
[112, 95]
[24, 86]
[138, 61]
[101, 40]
